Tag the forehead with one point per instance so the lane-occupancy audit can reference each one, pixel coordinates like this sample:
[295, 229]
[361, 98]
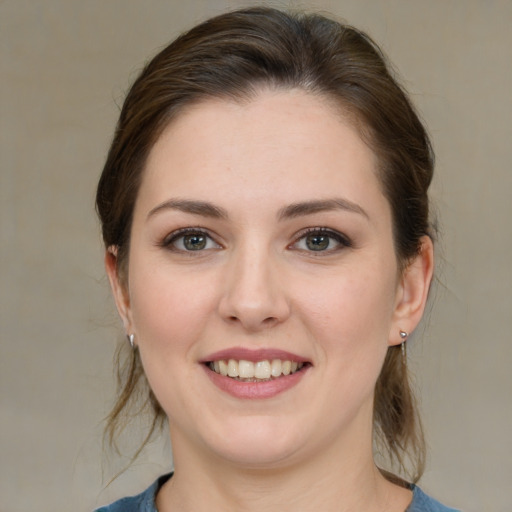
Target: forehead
[279, 142]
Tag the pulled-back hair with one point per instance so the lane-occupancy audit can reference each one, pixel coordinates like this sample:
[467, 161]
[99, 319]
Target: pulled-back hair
[233, 56]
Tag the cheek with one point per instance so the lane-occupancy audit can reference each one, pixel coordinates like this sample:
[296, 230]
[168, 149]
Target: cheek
[169, 310]
[350, 315]
[170, 316]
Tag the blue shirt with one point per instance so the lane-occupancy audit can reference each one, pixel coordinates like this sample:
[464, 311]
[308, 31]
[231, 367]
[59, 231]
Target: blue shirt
[145, 502]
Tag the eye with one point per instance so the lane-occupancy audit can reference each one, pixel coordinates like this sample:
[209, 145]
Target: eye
[321, 240]
[190, 240]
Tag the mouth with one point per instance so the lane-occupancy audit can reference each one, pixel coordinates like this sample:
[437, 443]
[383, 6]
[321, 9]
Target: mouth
[255, 373]
[265, 370]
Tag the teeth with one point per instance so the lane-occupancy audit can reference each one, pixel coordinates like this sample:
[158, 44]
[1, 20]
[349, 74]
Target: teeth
[261, 370]
[232, 368]
[276, 368]
[245, 369]
[223, 368]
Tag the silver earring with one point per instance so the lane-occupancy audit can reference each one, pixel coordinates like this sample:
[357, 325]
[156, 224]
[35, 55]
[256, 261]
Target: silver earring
[131, 339]
[404, 335]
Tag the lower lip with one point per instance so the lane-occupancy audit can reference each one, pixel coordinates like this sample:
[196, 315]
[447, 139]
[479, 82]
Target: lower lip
[255, 390]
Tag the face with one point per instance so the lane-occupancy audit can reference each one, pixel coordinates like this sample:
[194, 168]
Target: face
[263, 287]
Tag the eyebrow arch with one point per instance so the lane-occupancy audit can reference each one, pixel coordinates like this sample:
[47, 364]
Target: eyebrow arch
[202, 208]
[310, 207]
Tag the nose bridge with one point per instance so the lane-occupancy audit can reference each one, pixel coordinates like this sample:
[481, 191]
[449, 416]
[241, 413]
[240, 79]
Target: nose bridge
[253, 296]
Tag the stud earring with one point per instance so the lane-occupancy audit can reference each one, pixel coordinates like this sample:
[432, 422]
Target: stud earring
[131, 339]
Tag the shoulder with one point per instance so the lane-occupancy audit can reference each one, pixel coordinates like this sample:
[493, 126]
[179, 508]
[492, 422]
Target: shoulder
[423, 503]
[143, 502]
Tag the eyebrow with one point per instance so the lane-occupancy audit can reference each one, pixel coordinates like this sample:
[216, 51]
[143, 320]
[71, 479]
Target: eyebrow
[206, 209]
[202, 208]
[311, 207]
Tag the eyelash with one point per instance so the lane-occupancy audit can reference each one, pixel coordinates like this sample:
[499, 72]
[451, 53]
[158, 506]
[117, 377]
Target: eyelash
[173, 237]
[342, 240]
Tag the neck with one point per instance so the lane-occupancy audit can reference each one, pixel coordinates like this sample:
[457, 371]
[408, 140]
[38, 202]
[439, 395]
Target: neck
[335, 480]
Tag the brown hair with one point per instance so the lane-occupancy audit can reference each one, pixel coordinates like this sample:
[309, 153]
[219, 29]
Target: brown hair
[233, 56]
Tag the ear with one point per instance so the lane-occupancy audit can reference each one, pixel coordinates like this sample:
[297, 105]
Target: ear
[412, 292]
[119, 288]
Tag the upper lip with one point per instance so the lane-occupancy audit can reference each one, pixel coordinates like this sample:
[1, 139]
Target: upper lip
[254, 355]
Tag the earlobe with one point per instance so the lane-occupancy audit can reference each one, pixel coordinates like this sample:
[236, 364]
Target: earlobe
[119, 288]
[413, 292]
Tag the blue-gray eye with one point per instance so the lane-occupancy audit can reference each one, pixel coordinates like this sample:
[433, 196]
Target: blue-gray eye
[321, 240]
[195, 242]
[317, 242]
[189, 240]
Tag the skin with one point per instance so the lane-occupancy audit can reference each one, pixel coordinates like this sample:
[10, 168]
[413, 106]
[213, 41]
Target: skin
[257, 284]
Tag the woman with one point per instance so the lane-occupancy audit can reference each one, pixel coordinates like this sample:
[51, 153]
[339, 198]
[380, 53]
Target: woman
[265, 215]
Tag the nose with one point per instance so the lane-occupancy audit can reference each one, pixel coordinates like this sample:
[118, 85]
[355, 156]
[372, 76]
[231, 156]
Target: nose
[253, 295]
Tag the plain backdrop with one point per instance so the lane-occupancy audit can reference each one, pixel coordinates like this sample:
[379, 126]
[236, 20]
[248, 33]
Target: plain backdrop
[65, 67]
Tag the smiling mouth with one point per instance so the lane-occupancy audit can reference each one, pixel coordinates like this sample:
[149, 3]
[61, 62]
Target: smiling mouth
[259, 371]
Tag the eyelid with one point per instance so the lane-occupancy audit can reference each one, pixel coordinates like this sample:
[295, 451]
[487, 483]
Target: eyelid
[343, 240]
[175, 235]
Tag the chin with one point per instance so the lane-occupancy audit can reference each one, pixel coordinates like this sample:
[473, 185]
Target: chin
[257, 443]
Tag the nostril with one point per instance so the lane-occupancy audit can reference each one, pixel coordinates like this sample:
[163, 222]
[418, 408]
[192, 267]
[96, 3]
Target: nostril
[253, 323]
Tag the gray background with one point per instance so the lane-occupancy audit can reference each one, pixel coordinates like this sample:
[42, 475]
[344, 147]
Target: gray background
[65, 65]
